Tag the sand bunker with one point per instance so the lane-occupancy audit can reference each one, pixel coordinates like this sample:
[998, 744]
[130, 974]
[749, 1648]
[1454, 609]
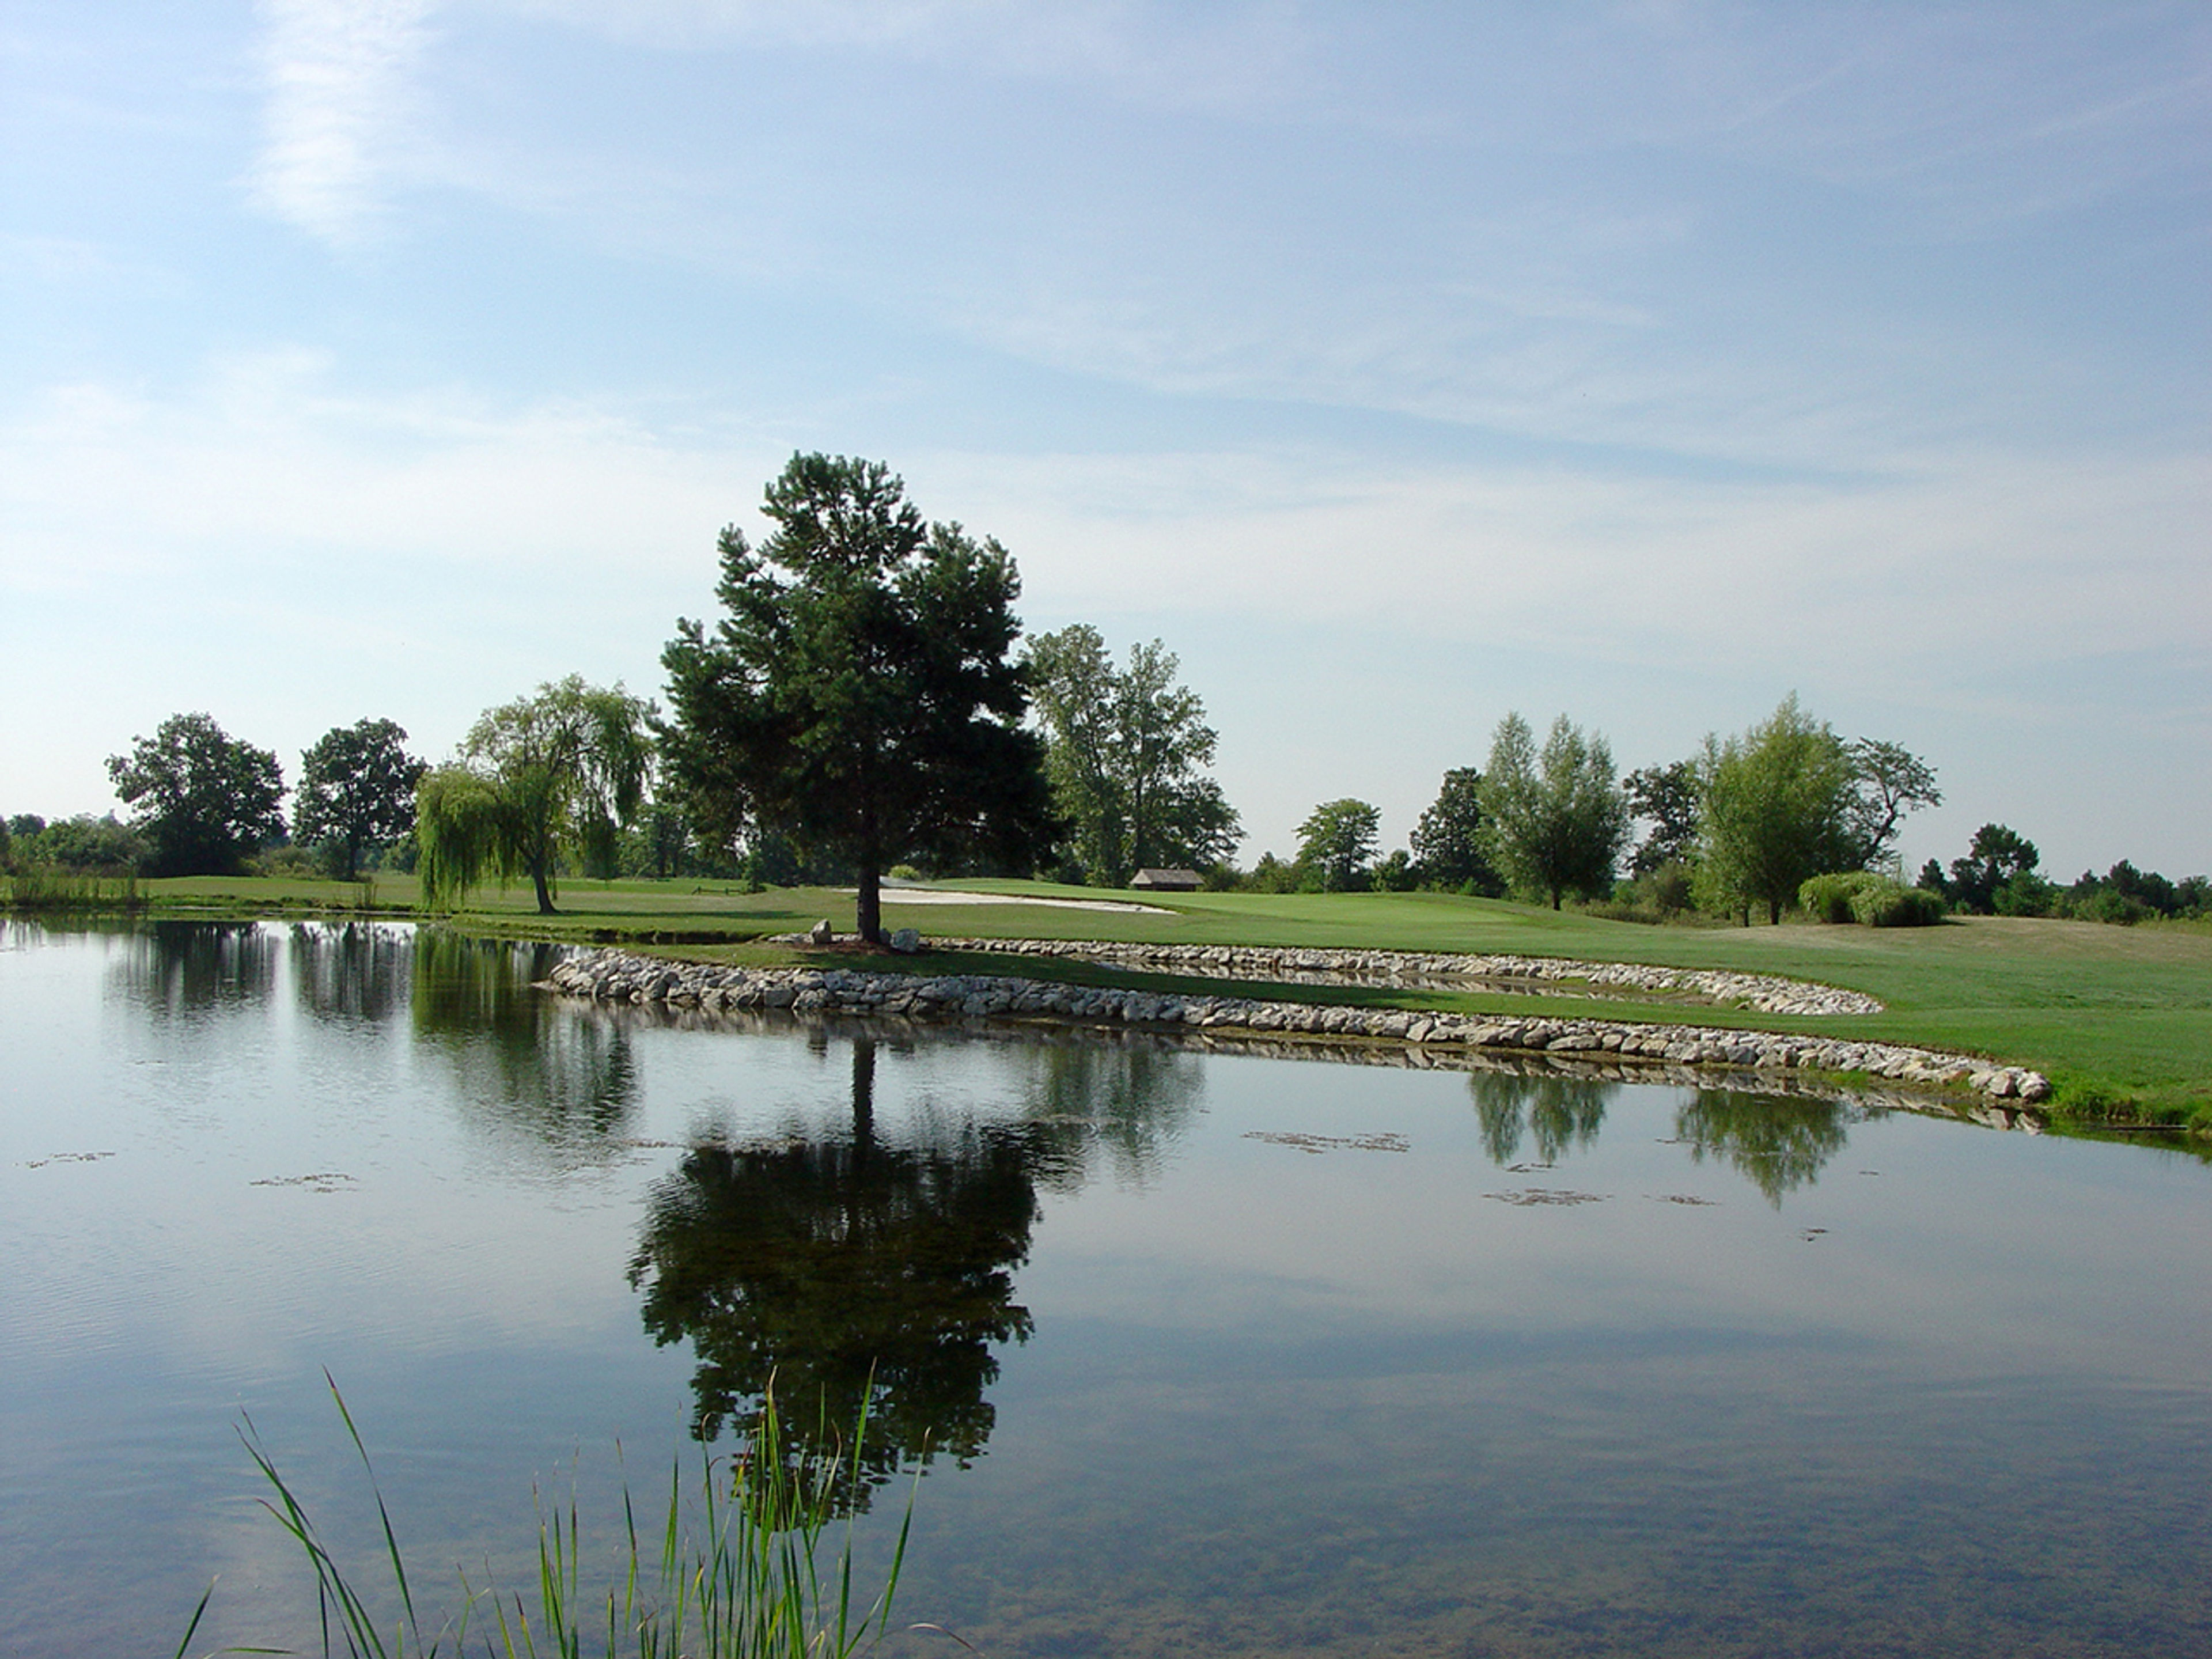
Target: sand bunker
[941, 895]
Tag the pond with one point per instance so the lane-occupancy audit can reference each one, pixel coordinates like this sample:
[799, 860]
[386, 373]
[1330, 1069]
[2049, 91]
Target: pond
[1213, 1353]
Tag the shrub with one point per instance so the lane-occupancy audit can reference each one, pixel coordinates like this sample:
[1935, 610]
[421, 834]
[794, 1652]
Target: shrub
[2107, 904]
[1871, 899]
[1395, 874]
[1885, 904]
[83, 842]
[1272, 875]
[1832, 898]
[291, 861]
[51, 887]
[1654, 896]
[2025, 895]
[1669, 887]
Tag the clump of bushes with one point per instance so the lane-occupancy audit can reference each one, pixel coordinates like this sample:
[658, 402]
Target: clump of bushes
[1870, 900]
[80, 844]
[1892, 906]
[290, 862]
[1828, 898]
[1653, 896]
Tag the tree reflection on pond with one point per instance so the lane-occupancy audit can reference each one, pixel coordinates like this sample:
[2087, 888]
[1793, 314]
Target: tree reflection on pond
[1088, 1097]
[350, 973]
[1780, 1142]
[188, 969]
[1555, 1114]
[855, 1274]
[564, 1076]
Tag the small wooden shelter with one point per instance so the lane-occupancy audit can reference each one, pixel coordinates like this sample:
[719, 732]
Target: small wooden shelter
[1167, 881]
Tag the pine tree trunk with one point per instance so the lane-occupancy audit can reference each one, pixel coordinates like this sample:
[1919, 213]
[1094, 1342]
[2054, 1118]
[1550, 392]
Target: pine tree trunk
[870, 916]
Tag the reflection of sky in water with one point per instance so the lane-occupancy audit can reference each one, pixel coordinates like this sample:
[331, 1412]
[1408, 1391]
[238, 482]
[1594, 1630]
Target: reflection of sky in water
[1288, 1386]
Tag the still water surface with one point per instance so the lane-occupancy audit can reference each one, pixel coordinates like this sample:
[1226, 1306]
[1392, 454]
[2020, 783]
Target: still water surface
[1219, 1354]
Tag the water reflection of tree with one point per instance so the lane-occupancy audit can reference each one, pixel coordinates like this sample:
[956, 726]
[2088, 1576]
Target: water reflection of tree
[354, 973]
[564, 1075]
[1129, 1102]
[1780, 1141]
[187, 969]
[854, 1272]
[1555, 1113]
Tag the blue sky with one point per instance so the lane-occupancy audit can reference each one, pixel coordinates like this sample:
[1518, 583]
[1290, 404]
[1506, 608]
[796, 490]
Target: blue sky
[1398, 366]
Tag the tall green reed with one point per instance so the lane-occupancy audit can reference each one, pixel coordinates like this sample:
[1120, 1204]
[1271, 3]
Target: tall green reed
[49, 887]
[741, 1566]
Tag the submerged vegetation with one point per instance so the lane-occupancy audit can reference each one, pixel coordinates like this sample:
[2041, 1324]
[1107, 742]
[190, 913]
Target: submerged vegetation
[749, 1561]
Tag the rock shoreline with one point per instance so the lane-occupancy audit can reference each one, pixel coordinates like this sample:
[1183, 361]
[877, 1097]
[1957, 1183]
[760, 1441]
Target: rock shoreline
[617, 977]
[1767, 992]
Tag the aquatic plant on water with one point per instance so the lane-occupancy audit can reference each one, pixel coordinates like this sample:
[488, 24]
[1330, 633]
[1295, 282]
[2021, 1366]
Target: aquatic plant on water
[742, 1566]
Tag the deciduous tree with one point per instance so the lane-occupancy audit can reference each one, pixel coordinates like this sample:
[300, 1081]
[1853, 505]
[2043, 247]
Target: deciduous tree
[203, 800]
[1890, 781]
[858, 693]
[1666, 798]
[557, 771]
[1447, 839]
[356, 791]
[1126, 751]
[1553, 823]
[1336, 843]
[1776, 808]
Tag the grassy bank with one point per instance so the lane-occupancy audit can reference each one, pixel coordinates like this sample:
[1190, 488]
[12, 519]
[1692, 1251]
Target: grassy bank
[2120, 1018]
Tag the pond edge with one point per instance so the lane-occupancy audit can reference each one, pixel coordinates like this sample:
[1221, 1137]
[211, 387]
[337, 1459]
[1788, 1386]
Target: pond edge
[618, 977]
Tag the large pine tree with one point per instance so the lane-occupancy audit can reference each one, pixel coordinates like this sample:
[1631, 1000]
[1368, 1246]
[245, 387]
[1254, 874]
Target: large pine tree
[858, 693]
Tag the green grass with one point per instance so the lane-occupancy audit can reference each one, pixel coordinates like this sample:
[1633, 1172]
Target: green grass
[2120, 1018]
[756, 1579]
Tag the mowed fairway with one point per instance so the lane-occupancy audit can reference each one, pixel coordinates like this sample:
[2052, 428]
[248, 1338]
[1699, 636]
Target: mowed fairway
[2119, 1017]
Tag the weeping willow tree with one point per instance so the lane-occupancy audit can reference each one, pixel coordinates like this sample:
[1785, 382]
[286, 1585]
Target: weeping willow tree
[557, 771]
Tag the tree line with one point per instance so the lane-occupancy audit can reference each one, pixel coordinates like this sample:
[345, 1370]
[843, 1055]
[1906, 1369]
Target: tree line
[1739, 826]
[865, 705]
[1788, 814]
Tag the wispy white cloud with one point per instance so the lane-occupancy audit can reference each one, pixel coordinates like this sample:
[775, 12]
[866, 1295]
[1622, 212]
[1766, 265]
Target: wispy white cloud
[338, 102]
[268, 458]
[1619, 230]
[1842, 579]
[265, 459]
[1254, 54]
